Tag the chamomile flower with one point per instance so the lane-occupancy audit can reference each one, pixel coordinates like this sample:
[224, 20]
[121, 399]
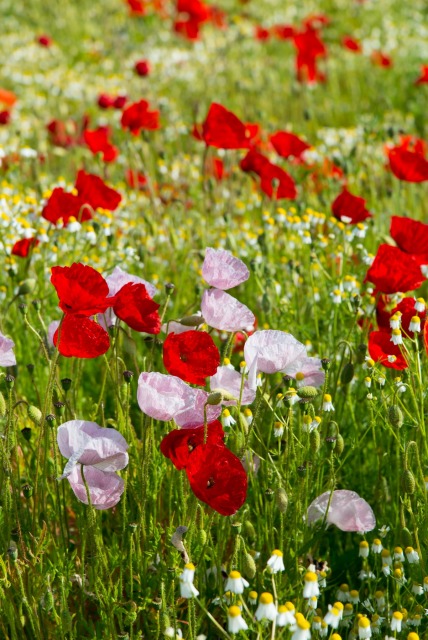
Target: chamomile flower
[227, 419]
[235, 621]
[332, 617]
[415, 324]
[411, 555]
[396, 337]
[311, 587]
[342, 594]
[354, 596]
[302, 630]
[266, 609]
[187, 588]
[364, 549]
[276, 562]
[395, 321]
[420, 305]
[398, 554]
[396, 621]
[417, 589]
[252, 597]
[364, 629]
[278, 429]
[377, 546]
[327, 403]
[235, 583]
[286, 615]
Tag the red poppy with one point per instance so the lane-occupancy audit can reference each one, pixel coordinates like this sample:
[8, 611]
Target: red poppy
[407, 310]
[22, 247]
[287, 144]
[381, 347]
[393, 270]
[135, 179]
[81, 290]
[62, 206]
[133, 305]
[218, 478]
[44, 40]
[179, 444]
[5, 117]
[215, 168]
[137, 116]
[94, 191]
[136, 7]
[309, 47]
[261, 33]
[423, 78]
[222, 129]
[274, 181]
[352, 44]
[142, 68]
[411, 236]
[407, 165]
[98, 142]
[350, 208]
[62, 134]
[80, 337]
[189, 29]
[192, 356]
[105, 101]
[283, 31]
[381, 59]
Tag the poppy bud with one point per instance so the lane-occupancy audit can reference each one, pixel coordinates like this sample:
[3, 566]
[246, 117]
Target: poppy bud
[66, 384]
[395, 416]
[201, 537]
[60, 408]
[408, 481]
[315, 440]
[340, 445]
[331, 442]
[307, 392]
[51, 420]
[10, 381]
[248, 566]
[169, 288]
[269, 494]
[27, 286]
[34, 414]
[47, 602]
[26, 432]
[361, 353]
[23, 308]
[236, 527]
[347, 373]
[2, 405]
[192, 321]
[37, 304]
[127, 376]
[249, 530]
[214, 398]
[325, 363]
[281, 498]
[27, 490]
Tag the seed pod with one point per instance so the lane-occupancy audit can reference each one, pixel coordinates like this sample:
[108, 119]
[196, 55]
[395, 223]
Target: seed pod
[192, 321]
[34, 414]
[347, 373]
[281, 498]
[340, 445]
[315, 440]
[307, 392]
[406, 537]
[248, 565]
[395, 416]
[248, 530]
[2, 406]
[408, 481]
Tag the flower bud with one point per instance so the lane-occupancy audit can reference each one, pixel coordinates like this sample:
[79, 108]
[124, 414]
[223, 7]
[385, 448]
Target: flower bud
[27, 490]
[248, 565]
[281, 498]
[408, 481]
[169, 288]
[23, 308]
[307, 392]
[192, 321]
[127, 376]
[347, 373]
[60, 408]
[249, 530]
[214, 398]
[26, 433]
[340, 445]
[2, 405]
[37, 304]
[395, 416]
[66, 384]
[34, 414]
[10, 381]
[325, 363]
[27, 286]
[315, 440]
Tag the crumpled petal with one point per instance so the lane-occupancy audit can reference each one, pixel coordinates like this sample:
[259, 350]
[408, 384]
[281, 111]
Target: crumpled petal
[222, 270]
[105, 488]
[226, 379]
[225, 313]
[271, 351]
[347, 511]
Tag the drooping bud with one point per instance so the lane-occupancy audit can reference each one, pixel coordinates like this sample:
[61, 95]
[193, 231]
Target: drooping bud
[248, 565]
[395, 416]
[214, 398]
[281, 498]
[315, 440]
[127, 376]
[191, 321]
[408, 481]
[347, 373]
[340, 445]
[34, 414]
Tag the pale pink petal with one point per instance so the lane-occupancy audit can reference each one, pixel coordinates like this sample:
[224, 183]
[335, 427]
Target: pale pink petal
[192, 415]
[225, 313]
[310, 367]
[89, 444]
[347, 511]
[222, 270]
[7, 357]
[161, 396]
[51, 331]
[118, 278]
[175, 327]
[226, 379]
[105, 488]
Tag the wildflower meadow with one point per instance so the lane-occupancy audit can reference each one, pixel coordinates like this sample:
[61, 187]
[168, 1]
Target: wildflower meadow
[213, 304]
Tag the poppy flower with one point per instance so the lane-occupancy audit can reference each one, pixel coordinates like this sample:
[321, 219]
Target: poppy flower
[142, 68]
[349, 208]
[7, 357]
[105, 101]
[352, 44]
[118, 278]
[189, 28]
[7, 97]
[393, 270]
[133, 305]
[288, 145]
[381, 59]
[62, 206]
[224, 312]
[23, 247]
[383, 350]
[423, 78]
[81, 289]
[261, 33]
[44, 40]
[345, 509]
[94, 191]
[179, 444]
[306, 371]
[193, 413]
[62, 134]
[191, 356]
[80, 337]
[98, 142]
[411, 236]
[407, 311]
[136, 7]
[407, 165]
[277, 183]
[309, 47]
[283, 31]
[222, 270]
[101, 452]
[137, 116]
[222, 129]
[135, 179]
[5, 117]
[229, 382]
[217, 477]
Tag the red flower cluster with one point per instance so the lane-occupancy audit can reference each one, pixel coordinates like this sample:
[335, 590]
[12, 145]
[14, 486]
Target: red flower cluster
[137, 116]
[98, 142]
[66, 133]
[82, 293]
[380, 59]
[92, 193]
[142, 68]
[192, 14]
[105, 101]
[192, 356]
[215, 474]
[407, 160]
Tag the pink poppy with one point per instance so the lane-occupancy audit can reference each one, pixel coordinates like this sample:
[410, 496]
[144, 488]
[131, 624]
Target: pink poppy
[160, 396]
[229, 381]
[118, 278]
[192, 415]
[306, 371]
[222, 270]
[7, 357]
[102, 452]
[225, 313]
[346, 510]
